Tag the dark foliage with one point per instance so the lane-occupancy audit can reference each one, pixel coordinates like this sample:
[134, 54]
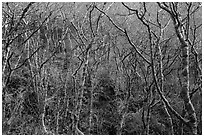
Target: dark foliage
[31, 104]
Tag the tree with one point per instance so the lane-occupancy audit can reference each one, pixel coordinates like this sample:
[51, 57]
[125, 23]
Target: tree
[184, 40]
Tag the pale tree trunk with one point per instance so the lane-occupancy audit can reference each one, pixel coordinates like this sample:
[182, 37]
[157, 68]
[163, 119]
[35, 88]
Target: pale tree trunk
[75, 104]
[80, 97]
[90, 92]
[168, 117]
[81, 92]
[185, 87]
[148, 121]
[75, 101]
[184, 94]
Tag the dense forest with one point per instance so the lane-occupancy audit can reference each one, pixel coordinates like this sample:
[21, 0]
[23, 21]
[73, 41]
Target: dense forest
[101, 68]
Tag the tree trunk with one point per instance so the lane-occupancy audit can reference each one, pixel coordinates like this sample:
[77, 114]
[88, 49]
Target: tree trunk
[148, 120]
[185, 80]
[170, 127]
[184, 71]
[185, 87]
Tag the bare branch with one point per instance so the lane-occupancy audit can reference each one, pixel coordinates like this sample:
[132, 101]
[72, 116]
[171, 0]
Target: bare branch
[133, 45]
[110, 19]
[125, 32]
